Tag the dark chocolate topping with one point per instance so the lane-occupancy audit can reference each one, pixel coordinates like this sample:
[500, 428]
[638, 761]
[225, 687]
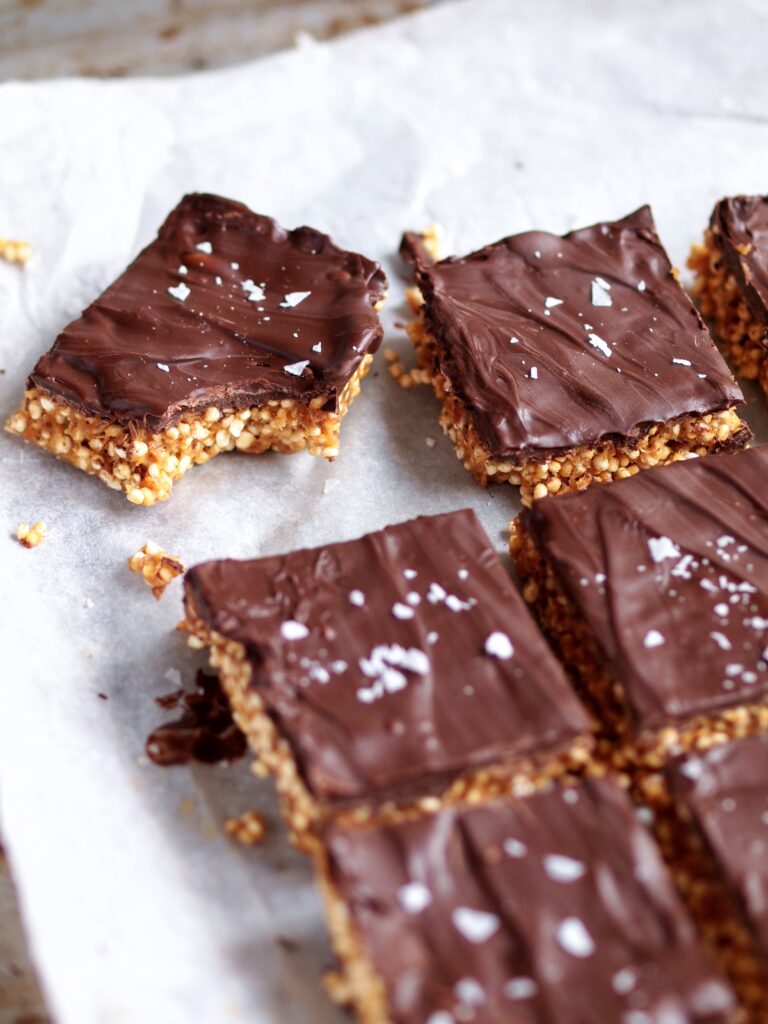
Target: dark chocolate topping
[414, 252]
[555, 342]
[726, 792]
[670, 571]
[543, 910]
[223, 308]
[205, 731]
[740, 229]
[373, 657]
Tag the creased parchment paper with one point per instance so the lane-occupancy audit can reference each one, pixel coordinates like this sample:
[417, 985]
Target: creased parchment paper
[491, 117]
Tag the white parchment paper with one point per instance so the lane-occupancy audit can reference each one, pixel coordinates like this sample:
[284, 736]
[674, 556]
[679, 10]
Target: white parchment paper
[489, 116]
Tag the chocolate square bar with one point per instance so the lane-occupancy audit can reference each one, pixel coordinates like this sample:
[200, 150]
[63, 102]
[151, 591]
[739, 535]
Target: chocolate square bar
[712, 819]
[731, 283]
[226, 332]
[388, 672]
[561, 361]
[655, 592]
[553, 907]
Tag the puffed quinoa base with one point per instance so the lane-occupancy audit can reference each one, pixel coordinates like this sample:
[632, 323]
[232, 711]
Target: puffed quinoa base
[302, 812]
[578, 468]
[721, 302]
[145, 465]
[618, 742]
[705, 893]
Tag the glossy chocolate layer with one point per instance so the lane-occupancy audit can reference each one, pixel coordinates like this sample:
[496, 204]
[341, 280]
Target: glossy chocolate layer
[556, 342]
[224, 308]
[670, 571]
[725, 791]
[205, 730]
[552, 909]
[740, 230]
[373, 657]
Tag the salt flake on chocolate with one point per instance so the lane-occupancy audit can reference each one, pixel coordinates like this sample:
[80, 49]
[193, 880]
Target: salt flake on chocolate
[563, 869]
[255, 291]
[475, 925]
[722, 641]
[498, 645]
[414, 897]
[292, 630]
[601, 295]
[599, 344]
[573, 937]
[653, 638]
[296, 369]
[661, 548]
[180, 292]
[402, 611]
[205, 247]
[520, 988]
[515, 848]
[293, 299]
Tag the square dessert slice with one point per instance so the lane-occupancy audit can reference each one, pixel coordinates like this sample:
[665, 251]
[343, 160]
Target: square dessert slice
[711, 814]
[552, 907]
[561, 361]
[655, 593]
[731, 283]
[389, 672]
[225, 332]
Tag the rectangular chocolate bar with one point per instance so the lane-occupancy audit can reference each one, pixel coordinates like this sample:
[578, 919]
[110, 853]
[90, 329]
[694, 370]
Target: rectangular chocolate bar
[389, 672]
[731, 283]
[563, 361]
[712, 819]
[553, 907]
[226, 332]
[655, 593]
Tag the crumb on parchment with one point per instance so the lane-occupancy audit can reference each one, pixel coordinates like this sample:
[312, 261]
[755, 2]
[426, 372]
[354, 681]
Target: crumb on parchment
[31, 536]
[249, 828]
[14, 251]
[156, 566]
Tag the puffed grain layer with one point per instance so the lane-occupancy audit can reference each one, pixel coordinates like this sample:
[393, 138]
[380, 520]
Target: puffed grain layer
[722, 303]
[145, 466]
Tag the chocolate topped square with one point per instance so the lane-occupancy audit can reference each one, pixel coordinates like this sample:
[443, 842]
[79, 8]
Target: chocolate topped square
[668, 572]
[725, 792]
[390, 665]
[553, 908]
[558, 342]
[226, 332]
[224, 308]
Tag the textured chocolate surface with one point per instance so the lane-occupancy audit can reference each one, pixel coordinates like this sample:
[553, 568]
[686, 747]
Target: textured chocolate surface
[740, 230]
[725, 791]
[553, 342]
[670, 571]
[212, 313]
[371, 657]
[544, 910]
